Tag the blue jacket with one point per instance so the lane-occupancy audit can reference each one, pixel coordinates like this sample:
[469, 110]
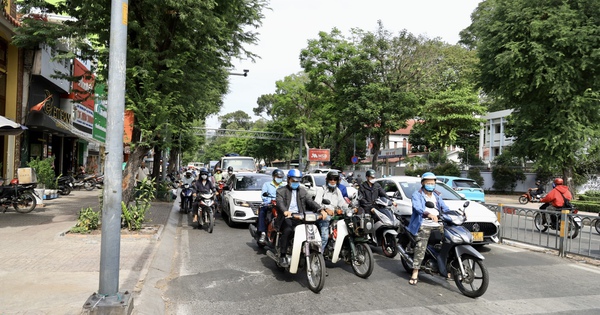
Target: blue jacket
[418, 208]
[343, 190]
[271, 189]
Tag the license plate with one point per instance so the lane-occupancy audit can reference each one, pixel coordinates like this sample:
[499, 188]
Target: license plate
[477, 236]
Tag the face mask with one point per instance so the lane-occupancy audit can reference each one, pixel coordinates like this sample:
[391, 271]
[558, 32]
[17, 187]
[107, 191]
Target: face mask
[295, 185]
[429, 187]
[229, 173]
[278, 180]
[372, 180]
[331, 186]
[204, 177]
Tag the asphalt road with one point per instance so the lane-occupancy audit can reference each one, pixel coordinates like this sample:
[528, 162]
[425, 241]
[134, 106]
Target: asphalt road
[226, 273]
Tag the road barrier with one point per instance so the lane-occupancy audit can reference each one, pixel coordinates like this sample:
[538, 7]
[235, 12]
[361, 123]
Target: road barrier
[525, 225]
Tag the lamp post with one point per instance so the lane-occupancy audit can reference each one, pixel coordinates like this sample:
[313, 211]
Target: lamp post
[245, 74]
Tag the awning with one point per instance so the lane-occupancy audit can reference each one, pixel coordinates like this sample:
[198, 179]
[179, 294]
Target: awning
[57, 125]
[9, 127]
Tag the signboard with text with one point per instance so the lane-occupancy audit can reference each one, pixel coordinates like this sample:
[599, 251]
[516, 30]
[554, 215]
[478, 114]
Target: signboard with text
[320, 155]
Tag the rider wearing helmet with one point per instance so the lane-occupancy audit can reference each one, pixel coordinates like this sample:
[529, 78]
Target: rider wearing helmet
[202, 186]
[332, 193]
[270, 189]
[368, 192]
[421, 214]
[218, 174]
[555, 199]
[291, 198]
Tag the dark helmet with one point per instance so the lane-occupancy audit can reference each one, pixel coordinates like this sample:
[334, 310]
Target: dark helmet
[230, 168]
[333, 175]
[370, 173]
[203, 171]
[277, 173]
[295, 174]
[558, 181]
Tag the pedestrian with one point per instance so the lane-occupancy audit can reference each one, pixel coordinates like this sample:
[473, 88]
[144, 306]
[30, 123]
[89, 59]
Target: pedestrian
[142, 173]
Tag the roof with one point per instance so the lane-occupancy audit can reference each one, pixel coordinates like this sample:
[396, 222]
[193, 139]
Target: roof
[405, 131]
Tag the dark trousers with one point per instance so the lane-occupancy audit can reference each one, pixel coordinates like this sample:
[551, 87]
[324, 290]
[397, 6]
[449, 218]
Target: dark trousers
[262, 214]
[287, 228]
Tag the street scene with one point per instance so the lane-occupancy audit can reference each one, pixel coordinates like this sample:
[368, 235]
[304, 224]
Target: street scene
[300, 156]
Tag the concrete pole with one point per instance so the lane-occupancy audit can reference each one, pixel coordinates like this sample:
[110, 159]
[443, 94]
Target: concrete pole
[111, 211]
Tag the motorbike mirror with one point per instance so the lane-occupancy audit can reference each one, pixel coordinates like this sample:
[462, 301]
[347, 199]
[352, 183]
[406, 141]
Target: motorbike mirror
[326, 202]
[466, 204]
[266, 194]
[429, 204]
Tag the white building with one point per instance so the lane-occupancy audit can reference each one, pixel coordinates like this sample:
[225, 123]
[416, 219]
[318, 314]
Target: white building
[492, 139]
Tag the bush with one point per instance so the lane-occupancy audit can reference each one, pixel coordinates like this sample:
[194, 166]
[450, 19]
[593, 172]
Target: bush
[447, 169]
[416, 172]
[134, 215]
[87, 221]
[593, 193]
[587, 206]
[475, 174]
[44, 169]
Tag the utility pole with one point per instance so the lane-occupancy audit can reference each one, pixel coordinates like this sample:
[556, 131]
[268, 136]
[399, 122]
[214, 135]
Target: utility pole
[109, 300]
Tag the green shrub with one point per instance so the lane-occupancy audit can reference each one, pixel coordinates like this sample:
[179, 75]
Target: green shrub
[44, 169]
[447, 169]
[587, 206]
[134, 215]
[416, 172]
[475, 174]
[87, 221]
[585, 197]
[593, 193]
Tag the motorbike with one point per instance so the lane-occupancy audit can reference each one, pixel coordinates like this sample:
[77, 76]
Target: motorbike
[65, 185]
[88, 182]
[449, 252]
[186, 198]
[348, 241]
[304, 250]
[528, 197]
[206, 215]
[270, 222]
[384, 227]
[99, 181]
[553, 221]
[20, 196]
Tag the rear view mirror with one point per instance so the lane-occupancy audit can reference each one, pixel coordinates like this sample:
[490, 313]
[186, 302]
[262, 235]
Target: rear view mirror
[266, 194]
[326, 202]
[429, 204]
[466, 204]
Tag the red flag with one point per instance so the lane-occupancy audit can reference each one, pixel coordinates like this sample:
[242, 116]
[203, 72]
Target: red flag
[40, 105]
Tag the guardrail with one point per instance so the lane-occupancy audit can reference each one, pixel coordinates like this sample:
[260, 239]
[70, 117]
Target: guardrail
[560, 233]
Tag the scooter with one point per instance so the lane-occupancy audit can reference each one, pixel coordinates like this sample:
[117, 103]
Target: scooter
[87, 182]
[65, 185]
[384, 227]
[206, 215]
[186, 198]
[449, 252]
[554, 218]
[529, 197]
[20, 197]
[304, 251]
[348, 238]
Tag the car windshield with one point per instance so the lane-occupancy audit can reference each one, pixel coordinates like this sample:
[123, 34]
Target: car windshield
[239, 164]
[250, 182]
[445, 192]
[463, 183]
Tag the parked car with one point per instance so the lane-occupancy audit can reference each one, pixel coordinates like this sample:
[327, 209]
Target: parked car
[314, 182]
[465, 186]
[481, 222]
[242, 199]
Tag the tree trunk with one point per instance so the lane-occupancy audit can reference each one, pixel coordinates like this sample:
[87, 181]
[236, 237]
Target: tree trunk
[172, 161]
[135, 160]
[375, 152]
[157, 163]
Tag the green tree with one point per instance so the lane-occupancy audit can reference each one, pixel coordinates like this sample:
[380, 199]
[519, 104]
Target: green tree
[506, 171]
[542, 57]
[178, 56]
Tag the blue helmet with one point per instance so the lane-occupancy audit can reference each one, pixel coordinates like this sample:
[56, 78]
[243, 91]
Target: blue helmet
[294, 173]
[428, 175]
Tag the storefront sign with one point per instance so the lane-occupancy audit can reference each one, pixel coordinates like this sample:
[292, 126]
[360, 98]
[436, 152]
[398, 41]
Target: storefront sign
[100, 112]
[321, 155]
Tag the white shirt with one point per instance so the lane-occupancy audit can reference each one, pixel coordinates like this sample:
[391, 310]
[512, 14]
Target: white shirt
[142, 173]
[294, 203]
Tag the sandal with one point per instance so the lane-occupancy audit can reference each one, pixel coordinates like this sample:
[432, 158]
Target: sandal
[413, 281]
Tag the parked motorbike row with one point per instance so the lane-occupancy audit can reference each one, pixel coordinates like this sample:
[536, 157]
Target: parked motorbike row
[449, 253]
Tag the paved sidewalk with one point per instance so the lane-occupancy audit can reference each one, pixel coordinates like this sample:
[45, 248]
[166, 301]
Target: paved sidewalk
[45, 271]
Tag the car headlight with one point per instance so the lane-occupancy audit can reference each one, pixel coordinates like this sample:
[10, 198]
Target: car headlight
[241, 203]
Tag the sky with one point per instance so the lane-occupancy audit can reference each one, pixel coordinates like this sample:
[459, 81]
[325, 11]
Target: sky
[289, 25]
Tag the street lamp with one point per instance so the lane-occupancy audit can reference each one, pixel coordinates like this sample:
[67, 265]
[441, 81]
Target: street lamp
[245, 74]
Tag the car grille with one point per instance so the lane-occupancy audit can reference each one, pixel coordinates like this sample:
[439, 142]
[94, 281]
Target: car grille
[255, 206]
[488, 229]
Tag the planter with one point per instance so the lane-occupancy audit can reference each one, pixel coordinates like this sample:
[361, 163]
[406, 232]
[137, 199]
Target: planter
[39, 196]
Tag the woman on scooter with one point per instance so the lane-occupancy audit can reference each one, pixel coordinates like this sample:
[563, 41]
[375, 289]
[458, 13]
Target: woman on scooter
[424, 220]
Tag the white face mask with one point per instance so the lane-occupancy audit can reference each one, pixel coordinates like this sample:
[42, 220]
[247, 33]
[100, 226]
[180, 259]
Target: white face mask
[204, 177]
[372, 180]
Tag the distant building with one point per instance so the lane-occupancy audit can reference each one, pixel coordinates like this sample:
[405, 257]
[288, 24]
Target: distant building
[492, 139]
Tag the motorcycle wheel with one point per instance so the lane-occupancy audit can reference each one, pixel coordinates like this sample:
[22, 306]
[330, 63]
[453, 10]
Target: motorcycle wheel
[362, 263]
[388, 245]
[523, 200]
[405, 264]
[537, 221]
[88, 185]
[210, 221]
[476, 280]
[315, 272]
[25, 203]
[597, 225]
[65, 191]
[573, 229]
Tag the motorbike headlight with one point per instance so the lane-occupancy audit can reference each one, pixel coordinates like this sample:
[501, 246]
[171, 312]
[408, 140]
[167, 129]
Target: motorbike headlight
[349, 212]
[241, 203]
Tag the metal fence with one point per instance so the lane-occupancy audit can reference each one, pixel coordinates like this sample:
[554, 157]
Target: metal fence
[519, 224]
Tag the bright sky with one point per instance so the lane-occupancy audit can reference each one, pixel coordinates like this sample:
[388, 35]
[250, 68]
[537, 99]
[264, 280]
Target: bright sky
[290, 24]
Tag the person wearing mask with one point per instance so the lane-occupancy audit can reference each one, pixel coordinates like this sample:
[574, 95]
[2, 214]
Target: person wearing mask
[424, 220]
[270, 189]
[227, 177]
[291, 198]
[142, 173]
[368, 192]
[555, 199]
[201, 186]
[332, 193]
[358, 180]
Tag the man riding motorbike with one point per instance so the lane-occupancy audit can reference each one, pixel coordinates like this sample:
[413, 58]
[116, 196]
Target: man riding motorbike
[555, 199]
[187, 179]
[291, 198]
[202, 186]
[368, 192]
[331, 192]
[270, 188]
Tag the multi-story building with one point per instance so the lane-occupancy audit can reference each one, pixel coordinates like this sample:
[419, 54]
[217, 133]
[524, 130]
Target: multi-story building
[492, 139]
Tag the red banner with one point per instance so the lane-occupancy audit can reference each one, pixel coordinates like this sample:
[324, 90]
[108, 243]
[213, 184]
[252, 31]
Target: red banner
[321, 155]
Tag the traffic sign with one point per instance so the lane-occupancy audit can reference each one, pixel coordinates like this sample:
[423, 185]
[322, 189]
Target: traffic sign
[354, 159]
